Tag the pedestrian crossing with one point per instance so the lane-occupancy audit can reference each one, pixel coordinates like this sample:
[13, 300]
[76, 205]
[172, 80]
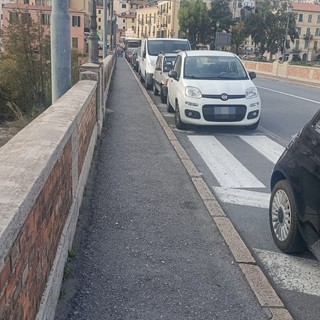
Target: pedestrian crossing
[237, 185]
[232, 175]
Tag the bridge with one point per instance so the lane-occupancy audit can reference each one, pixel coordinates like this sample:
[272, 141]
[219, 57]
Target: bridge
[43, 173]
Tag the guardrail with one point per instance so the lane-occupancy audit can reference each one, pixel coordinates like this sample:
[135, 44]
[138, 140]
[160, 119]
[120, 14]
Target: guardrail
[43, 172]
[286, 71]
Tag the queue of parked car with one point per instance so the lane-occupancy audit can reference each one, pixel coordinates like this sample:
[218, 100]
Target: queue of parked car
[214, 88]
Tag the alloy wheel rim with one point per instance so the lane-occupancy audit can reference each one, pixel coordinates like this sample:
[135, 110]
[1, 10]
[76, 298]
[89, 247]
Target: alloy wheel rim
[281, 215]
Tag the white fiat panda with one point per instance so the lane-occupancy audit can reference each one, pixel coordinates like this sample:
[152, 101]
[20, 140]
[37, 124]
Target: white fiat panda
[212, 88]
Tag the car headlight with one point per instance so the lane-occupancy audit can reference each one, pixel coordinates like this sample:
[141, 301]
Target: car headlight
[193, 92]
[251, 93]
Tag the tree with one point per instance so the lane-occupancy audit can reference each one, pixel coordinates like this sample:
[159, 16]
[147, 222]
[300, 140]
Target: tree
[268, 25]
[24, 65]
[238, 35]
[194, 21]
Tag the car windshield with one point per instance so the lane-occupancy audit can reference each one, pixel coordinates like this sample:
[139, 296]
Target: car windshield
[167, 46]
[208, 67]
[168, 63]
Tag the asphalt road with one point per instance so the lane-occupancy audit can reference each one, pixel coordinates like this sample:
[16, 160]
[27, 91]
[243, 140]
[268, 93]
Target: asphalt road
[243, 189]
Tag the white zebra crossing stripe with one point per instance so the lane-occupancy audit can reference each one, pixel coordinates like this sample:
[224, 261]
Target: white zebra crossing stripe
[292, 273]
[229, 172]
[267, 147]
[243, 197]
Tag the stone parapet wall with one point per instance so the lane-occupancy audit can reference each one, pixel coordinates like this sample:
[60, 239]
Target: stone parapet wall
[43, 172]
[286, 70]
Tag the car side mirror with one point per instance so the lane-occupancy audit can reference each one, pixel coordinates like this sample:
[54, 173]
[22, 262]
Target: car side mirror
[173, 74]
[252, 75]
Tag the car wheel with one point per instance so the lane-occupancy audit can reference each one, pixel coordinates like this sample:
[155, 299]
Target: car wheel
[155, 90]
[147, 85]
[253, 126]
[169, 106]
[283, 218]
[162, 95]
[179, 124]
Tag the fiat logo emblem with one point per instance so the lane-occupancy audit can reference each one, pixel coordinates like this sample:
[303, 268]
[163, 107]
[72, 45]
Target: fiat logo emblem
[224, 97]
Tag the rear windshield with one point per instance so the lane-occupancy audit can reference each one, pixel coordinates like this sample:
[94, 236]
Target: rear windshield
[208, 67]
[167, 46]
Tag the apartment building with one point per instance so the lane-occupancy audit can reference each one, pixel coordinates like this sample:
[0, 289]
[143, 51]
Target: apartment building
[2, 3]
[158, 20]
[79, 17]
[308, 27]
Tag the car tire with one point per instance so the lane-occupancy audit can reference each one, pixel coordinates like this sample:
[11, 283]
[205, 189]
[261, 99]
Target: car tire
[140, 77]
[169, 106]
[177, 119]
[253, 126]
[155, 90]
[162, 95]
[283, 218]
[147, 85]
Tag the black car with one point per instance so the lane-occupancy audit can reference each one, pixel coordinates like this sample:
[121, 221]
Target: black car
[294, 211]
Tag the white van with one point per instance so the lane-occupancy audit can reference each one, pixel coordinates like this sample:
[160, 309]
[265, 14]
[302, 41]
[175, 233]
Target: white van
[150, 48]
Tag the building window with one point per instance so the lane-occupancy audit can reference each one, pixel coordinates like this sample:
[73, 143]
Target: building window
[75, 43]
[124, 6]
[300, 17]
[45, 19]
[75, 21]
[297, 44]
[124, 27]
[132, 20]
[99, 11]
[317, 32]
[124, 20]
[13, 16]
[99, 27]
[132, 28]
[315, 45]
[318, 19]
[299, 31]
[309, 18]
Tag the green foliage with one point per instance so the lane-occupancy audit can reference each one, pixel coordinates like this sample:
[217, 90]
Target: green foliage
[24, 67]
[268, 25]
[194, 21]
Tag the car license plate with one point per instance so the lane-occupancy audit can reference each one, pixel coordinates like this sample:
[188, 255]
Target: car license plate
[224, 111]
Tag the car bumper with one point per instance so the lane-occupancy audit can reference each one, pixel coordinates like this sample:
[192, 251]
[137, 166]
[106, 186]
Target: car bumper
[238, 112]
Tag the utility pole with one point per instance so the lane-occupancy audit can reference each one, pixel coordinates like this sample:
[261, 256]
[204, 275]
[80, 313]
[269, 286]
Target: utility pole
[93, 37]
[105, 28]
[60, 48]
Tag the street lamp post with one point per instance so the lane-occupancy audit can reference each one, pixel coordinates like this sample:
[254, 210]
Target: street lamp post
[93, 37]
[216, 37]
[289, 10]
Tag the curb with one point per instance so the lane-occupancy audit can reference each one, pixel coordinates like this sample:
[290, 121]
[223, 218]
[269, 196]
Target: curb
[260, 285]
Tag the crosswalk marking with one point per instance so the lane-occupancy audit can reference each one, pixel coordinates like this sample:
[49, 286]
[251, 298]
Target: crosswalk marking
[243, 197]
[292, 273]
[229, 172]
[267, 147]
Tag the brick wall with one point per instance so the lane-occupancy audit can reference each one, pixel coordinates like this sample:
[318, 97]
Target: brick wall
[47, 161]
[27, 265]
[85, 128]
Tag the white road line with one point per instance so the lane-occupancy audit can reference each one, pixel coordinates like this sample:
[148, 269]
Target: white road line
[292, 273]
[290, 95]
[267, 147]
[229, 172]
[243, 197]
